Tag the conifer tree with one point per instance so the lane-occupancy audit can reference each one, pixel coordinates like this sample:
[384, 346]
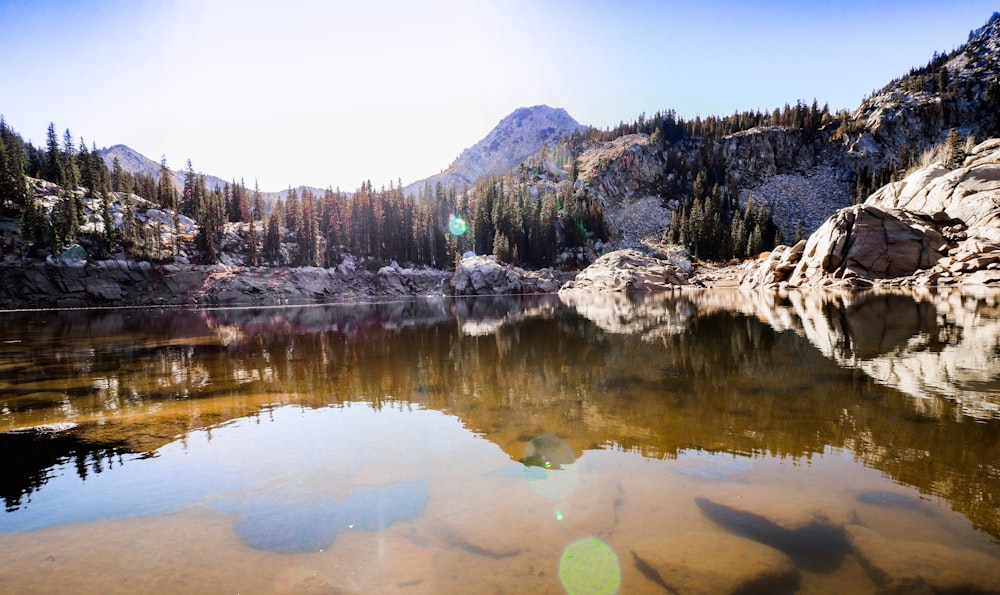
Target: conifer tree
[130, 231]
[272, 238]
[253, 238]
[292, 210]
[190, 201]
[36, 230]
[800, 233]
[52, 168]
[70, 173]
[954, 151]
[307, 235]
[13, 186]
[117, 175]
[166, 194]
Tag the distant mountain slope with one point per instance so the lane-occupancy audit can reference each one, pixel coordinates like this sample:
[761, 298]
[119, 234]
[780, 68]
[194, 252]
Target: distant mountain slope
[515, 138]
[134, 162]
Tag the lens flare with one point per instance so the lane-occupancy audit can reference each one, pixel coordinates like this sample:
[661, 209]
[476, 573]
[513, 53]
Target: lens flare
[457, 226]
[589, 566]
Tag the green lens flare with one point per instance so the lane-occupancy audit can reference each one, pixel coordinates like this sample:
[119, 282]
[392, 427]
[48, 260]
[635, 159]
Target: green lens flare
[590, 567]
[457, 226]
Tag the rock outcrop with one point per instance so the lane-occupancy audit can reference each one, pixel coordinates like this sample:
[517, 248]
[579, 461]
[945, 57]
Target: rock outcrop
[626, 167]
[936, 226]
[631, 270]
[912, 112]
[484, 275]
[760, 153]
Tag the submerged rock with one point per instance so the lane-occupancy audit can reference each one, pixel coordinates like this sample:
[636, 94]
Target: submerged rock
[280, 523]
[715, 563]
[790, 511]
[898, 566]
[894, 500]
[806, 526]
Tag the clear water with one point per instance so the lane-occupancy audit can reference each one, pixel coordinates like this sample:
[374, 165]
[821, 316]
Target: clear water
[510, 445]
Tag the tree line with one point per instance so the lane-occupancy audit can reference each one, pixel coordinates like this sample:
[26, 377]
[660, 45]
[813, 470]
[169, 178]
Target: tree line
[501, 215]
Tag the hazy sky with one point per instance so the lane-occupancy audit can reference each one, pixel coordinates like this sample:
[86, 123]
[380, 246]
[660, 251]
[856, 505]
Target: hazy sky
[333, 93]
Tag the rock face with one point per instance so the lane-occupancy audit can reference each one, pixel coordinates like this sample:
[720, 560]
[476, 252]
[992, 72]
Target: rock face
[626, 167]
[120, 282]
[625, 270]
[623, 176]
[515, 138]
[759, 153]
[867, 242]
[936, 226]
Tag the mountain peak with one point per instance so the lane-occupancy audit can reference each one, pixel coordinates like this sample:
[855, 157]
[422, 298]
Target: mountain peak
[516, 137]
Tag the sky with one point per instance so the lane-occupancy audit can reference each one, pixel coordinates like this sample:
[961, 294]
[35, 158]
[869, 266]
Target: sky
[330, 94]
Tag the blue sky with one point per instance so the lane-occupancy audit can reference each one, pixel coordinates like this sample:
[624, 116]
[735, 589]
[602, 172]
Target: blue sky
[334, 93]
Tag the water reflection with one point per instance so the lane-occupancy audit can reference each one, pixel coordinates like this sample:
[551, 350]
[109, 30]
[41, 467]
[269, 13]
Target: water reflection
[506, 402]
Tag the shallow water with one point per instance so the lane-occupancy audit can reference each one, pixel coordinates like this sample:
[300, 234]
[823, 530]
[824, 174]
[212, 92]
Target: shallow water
[503, 445]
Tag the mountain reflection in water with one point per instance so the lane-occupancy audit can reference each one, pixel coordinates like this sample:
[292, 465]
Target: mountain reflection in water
[716, 382]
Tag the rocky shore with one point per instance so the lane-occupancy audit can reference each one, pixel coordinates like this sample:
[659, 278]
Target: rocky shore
[66, 283]
[936, 227]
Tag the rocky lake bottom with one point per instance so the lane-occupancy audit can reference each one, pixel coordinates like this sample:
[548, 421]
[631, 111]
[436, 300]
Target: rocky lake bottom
[688, 442]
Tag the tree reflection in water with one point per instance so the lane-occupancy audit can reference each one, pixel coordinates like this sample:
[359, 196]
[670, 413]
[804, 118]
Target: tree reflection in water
[908, 384]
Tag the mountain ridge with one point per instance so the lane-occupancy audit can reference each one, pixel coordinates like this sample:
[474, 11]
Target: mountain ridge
[134, 162]
[517, 136]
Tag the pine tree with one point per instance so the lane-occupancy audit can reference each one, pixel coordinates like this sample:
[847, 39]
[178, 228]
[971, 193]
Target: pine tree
[253, 240]
[272, 239]
[954, 150]
[36, 230]
[800, 233]
[117, 175]
[166, 194]
[130, 230]
[307, 233]
[70, 173]
[190, 201]
[52, 167]
[13, 187]
[292, 210]
[84, 166]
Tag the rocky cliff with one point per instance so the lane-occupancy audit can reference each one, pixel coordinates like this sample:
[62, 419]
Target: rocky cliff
[910, 113]
[936, 226]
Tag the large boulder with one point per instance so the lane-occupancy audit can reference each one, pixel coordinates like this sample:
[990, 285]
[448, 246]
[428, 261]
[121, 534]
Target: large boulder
[626, 270]
[484, 275]
[871, 243]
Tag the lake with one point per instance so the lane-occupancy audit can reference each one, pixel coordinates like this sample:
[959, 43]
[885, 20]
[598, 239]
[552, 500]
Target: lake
[693, 441]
